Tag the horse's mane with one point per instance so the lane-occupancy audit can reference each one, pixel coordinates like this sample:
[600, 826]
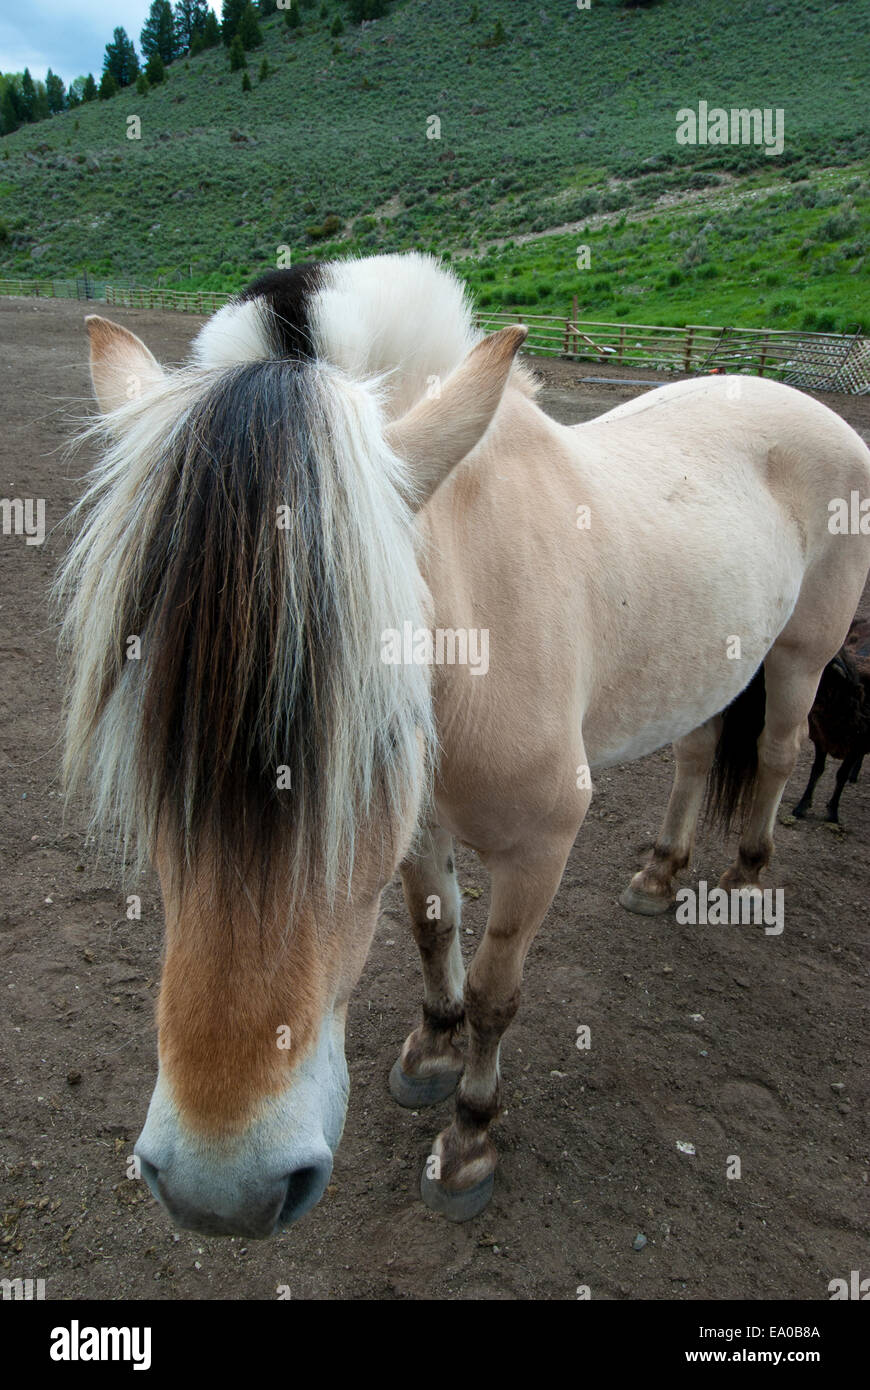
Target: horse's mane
[404, 319]
[245, 522]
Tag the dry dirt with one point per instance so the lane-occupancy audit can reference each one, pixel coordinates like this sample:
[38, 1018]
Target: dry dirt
[736, 1042]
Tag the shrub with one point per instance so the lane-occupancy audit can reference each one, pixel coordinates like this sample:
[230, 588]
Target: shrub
[328, 227]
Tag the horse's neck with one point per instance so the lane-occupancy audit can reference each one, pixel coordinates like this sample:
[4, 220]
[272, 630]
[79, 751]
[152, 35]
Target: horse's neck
[469, 518]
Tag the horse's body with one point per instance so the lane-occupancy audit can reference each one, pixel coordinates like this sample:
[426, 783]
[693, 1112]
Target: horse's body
[702, 552]
[693, 537]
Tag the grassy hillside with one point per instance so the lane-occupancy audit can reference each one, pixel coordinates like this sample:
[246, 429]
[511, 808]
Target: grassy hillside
[564, 133]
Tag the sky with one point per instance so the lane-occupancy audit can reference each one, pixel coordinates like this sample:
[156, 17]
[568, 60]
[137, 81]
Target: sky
[68, 36]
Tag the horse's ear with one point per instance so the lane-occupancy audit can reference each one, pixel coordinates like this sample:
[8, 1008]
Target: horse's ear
[438, 432]
[121, 365]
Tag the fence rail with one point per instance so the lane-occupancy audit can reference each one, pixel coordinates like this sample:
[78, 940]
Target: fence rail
[187, 301]
[813, 361]
[119, 293]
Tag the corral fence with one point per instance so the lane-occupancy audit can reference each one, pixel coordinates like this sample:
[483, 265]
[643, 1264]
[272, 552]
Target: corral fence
[813, 361]
[118, 292]
[80, 287]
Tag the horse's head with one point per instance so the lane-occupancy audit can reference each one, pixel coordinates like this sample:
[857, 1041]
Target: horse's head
[251, 527]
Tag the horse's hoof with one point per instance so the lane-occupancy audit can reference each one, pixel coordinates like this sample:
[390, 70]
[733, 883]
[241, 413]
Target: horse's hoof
[792, 819]
[645, 903]
[416, 1092]
[834, 825]
[456, 1206]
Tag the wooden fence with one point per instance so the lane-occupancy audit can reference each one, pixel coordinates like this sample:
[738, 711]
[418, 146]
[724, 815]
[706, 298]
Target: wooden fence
[187, 301]
[126, 295]
[813, 361]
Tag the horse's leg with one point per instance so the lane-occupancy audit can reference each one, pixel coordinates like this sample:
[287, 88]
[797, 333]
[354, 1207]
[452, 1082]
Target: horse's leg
[818, 768]
[458, 1177]
[430, 1063]
[844, 775]
[791, 677]
[855, 769]
[650, 891]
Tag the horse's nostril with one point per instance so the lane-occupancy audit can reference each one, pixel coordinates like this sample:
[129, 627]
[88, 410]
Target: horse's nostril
[150, 1174]
[305, 1187]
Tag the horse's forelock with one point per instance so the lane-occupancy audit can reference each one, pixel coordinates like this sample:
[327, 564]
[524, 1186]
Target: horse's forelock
[258, 557]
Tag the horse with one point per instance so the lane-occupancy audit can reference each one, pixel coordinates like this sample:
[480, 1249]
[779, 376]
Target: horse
[344, 456]
[839, 722]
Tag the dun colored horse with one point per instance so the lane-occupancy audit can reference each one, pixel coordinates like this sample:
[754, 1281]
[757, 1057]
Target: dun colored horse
[342, 471]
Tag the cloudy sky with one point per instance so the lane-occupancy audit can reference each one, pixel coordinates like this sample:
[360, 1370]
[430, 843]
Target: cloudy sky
[68, 36]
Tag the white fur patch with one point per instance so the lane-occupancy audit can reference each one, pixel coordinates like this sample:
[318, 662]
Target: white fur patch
[404, 318]
[237, 333]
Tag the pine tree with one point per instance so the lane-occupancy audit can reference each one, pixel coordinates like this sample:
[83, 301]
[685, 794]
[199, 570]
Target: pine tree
[264, 69]
[158, 32]
[108, 86]
[142, 85]
[211, 34]
[249, 28]
[189, 18]
[367, 9]
[292, 16]
[120, 59]
[89, 90]
[40, 102]
[55, 92]
[231, 14]
[155, 70]
[237, 54]
[337, 27]
[28, 97]
[246, 82]
[8, 114]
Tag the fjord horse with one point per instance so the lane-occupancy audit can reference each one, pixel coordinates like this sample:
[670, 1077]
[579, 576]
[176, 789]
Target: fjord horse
[343, 455]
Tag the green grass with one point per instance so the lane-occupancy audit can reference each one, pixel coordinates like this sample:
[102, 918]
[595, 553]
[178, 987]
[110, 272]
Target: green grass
[570, 122]
[793, 258]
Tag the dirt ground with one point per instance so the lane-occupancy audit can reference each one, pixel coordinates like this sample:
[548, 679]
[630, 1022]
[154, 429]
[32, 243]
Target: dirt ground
[721, 1037]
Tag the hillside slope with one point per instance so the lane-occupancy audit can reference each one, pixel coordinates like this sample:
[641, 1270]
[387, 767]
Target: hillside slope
[571, 119]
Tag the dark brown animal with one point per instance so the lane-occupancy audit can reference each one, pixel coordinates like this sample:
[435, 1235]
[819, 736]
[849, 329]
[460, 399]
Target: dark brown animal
[839, 720]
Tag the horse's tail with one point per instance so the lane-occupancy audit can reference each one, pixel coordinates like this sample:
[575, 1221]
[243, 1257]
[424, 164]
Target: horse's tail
[731, 782]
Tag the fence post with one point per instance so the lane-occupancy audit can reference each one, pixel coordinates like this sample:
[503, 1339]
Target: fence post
[687, 360]
[763, 357]
[574, 312]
